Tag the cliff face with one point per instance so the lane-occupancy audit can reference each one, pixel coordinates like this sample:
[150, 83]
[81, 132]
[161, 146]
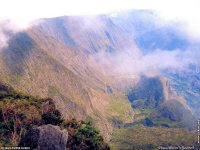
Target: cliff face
[160, 105]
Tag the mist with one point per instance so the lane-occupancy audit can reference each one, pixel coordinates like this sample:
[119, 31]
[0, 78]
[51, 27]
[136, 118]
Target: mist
[121, 62]
[7, 29]
[134, 61]
[125, 63]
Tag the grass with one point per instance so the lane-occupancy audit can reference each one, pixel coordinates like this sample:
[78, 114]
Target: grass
[120, 108]
[140, 137]
[15, 79]
[52, 91]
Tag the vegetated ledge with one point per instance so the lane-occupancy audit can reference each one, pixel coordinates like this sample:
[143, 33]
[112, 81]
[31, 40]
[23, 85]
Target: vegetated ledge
[21, 113]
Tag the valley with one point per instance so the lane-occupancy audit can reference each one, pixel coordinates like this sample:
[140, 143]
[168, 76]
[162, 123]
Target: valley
[93, 69]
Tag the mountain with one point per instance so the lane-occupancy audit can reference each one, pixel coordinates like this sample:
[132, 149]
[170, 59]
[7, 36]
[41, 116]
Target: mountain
[160, 105]
[93, 68]
[152, 33]
[148, 90]
[186, 83]
[54, 59]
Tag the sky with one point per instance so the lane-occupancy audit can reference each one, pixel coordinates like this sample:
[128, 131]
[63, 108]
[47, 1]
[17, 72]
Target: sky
[21, 13]
[24, 11]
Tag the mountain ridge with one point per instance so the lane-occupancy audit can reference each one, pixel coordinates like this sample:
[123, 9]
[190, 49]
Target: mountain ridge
[89, 67]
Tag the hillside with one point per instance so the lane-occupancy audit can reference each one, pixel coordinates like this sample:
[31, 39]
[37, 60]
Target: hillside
[51, 60]
[100, 69]
[159, 105]
[151, 33]
[141, 137]
[19, 113]
[186, 83]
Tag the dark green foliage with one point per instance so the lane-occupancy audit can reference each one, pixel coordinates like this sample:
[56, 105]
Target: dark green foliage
[82, 135]
[19, 112]
[53, 117]
[89, 135]
[147, 122]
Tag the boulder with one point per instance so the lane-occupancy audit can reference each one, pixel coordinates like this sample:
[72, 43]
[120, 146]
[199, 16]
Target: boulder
[45, 137]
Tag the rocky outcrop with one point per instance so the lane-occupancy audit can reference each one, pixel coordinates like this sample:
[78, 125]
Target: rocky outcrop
[45, 137]
[148, 93]
[48, 105]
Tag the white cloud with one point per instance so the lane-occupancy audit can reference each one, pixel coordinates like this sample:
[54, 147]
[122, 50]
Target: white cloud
[185, 12]
[124, 63]
[23, 11]
[7, 29]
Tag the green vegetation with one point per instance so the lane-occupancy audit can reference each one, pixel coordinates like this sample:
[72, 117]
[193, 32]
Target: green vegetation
[52, 91]
[19, 112]
[84, 136]
[149, 93]
[155, 109]
[174, 114]
[187, 84]
[53, 117]
[141, 137]
[120, 109]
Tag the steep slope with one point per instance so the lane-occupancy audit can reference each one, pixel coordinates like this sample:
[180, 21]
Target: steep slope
[173, 113]
[89, 39]
[80, 63]
[160, 105]
[150, 90]
[29, 68]
[23, 116]
[151, 32]
[51, 59]
[187, 83]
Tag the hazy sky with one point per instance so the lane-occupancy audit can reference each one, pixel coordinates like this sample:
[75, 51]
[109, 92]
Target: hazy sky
[23, 11]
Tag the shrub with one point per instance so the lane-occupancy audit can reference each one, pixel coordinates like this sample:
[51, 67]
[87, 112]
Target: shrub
[85, 137]
[52, 117]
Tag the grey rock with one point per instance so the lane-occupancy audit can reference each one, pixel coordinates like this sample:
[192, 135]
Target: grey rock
[45, 137]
